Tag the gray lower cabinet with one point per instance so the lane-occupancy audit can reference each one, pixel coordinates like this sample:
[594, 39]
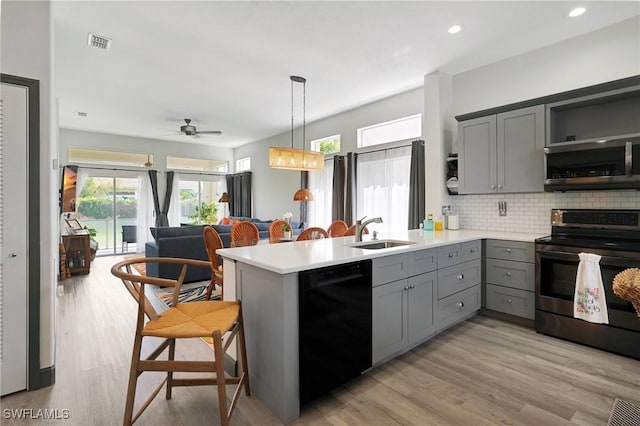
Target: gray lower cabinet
[402, 314]
[417, 294]
[458, 291]
[510, 277]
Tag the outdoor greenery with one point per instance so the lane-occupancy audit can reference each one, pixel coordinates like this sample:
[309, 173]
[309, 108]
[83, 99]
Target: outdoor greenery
[330, 146]
[96, 200]
[206, 213]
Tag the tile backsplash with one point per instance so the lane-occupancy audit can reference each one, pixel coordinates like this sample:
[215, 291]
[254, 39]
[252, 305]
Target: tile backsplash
[531, 212]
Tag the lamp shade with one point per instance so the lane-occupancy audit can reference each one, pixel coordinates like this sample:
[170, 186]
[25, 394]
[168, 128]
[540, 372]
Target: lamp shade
[303, 195]
[224, 198]
[295, 159]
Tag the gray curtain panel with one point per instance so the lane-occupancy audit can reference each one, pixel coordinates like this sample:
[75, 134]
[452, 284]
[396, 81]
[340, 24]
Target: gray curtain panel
[153, 177]
[338, 187]
[304, 208]
[239, 190]
[164, 218]
[416, 185]
[351, 184]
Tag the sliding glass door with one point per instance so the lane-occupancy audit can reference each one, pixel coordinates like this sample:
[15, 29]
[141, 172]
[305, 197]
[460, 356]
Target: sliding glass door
[108, 207]
[199, 199]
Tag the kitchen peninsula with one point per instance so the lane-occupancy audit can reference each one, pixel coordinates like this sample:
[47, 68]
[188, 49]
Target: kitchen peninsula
[424, 283]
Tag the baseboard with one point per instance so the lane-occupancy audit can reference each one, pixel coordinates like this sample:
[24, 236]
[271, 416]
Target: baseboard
[525, 322]
[45, 377]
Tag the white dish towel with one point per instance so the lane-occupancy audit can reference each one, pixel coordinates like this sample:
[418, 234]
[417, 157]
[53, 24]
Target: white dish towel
[589, 301]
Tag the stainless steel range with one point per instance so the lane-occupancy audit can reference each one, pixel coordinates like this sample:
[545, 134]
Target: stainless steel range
[612, 234]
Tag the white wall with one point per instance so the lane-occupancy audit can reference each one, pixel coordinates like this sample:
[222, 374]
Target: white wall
[273, 189]
[605, 55]
[27, 46]
[70, 138]
[608, 54]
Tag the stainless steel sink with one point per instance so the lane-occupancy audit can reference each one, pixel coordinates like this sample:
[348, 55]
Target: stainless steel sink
[381, 244]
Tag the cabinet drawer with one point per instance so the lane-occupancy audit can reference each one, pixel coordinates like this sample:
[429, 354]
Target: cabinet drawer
[470, 250]
[448, 255]
[511, 274]
[511, 250]
[456, 306]
[389, 268]
[419, 262]
[511, 301]
[457, 278]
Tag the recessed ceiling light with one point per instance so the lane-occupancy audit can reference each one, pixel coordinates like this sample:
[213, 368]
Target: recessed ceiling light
[454, 29]
[577, 12]
[82, 114]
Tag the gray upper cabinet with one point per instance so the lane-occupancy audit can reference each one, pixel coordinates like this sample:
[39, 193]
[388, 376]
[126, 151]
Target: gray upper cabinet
[502, 153]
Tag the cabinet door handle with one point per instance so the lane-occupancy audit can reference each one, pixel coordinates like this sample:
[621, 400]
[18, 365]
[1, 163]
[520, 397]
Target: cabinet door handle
[461, 276]
[499, 187]
[509, 301]
[493, 187]
[405, 289]
[450, 255]
[412, 287]
[13, 255]
[473, 250]
[460, 304]
[508, 250]
[508, 274]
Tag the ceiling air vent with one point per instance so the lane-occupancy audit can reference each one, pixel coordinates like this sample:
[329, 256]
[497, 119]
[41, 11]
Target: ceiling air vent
[99, 41]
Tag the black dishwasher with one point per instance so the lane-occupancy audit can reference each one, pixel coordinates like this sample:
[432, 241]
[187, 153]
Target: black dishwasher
[335, 326]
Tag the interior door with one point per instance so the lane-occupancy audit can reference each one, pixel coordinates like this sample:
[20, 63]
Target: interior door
[13, 237]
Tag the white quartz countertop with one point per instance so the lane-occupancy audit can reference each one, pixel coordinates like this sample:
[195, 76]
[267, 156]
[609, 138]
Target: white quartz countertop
[285, 258]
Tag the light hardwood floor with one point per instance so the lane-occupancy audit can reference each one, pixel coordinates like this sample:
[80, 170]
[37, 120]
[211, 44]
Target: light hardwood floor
[482, 372]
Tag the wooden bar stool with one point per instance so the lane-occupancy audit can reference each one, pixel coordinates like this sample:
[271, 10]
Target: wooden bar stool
[208, 318]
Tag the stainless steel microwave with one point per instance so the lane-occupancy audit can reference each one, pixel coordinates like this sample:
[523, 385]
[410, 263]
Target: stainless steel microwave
[613, 164]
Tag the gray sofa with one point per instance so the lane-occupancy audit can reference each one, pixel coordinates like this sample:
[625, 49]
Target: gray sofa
[188, 242]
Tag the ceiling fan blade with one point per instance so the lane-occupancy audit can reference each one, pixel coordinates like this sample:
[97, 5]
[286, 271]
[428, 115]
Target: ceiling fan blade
[210, 132]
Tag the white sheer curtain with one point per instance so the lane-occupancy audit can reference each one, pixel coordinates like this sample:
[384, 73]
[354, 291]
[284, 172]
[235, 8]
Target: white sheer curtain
[383, 187]
[320, 185]
[81, 179]
[174, 205]
[144, 213]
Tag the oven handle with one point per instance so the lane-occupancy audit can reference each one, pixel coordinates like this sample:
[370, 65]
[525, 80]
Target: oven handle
[606, 260]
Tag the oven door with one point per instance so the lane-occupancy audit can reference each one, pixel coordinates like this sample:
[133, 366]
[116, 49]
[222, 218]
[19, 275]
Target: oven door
[556, 270]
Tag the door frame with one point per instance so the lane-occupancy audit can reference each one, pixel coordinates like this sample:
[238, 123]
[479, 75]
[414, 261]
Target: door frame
[37, 378]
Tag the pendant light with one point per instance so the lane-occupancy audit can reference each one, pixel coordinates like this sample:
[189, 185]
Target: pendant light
[303, 194]
[293, 158]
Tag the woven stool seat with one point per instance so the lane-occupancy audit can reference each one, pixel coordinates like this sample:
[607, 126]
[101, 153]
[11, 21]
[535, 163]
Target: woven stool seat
[193, 319]
[626, 285]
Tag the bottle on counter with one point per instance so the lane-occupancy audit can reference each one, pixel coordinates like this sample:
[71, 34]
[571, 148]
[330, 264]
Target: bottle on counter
[428, 223]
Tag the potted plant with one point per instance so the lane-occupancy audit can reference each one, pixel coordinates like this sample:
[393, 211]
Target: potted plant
[286, 228]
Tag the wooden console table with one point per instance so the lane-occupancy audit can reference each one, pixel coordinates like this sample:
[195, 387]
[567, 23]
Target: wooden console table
[78, 252]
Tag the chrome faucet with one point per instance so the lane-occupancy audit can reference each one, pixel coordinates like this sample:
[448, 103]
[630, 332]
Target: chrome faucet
[361, 225]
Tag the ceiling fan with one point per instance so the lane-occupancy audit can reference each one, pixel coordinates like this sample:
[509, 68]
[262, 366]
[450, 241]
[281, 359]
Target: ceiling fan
[190, 130]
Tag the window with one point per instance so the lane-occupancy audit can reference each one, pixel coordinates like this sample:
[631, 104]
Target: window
[200, 164]
[329, 145]
[243, 164]
[199, 199]
[112, 158]
[321, 186]
[391, 131]
[383, 187]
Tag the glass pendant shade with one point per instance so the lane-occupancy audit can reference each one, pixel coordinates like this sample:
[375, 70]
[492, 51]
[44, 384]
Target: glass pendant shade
[303, 195]
[295, 159]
